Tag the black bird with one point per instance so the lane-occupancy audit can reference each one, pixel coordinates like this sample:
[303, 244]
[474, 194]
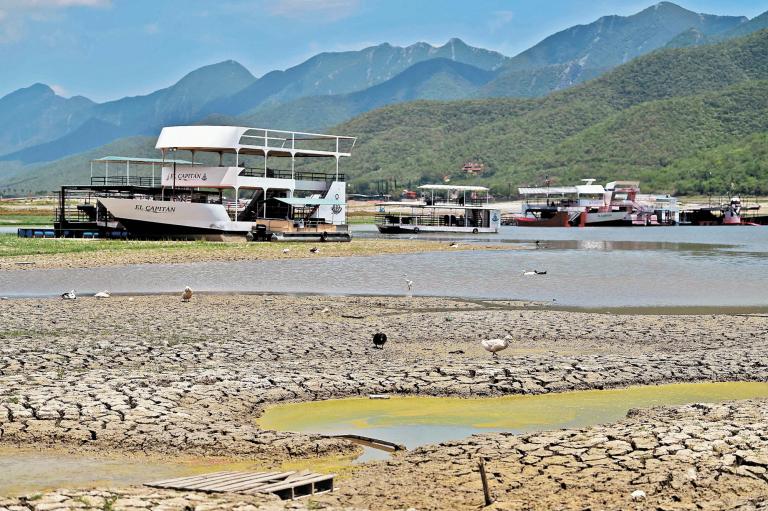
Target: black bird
[314, 250]
[379, 339]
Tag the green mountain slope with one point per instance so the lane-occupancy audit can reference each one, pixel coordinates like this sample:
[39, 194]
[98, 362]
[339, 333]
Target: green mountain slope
[534, 138]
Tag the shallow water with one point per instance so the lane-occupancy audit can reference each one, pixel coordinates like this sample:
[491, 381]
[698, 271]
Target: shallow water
[27, 471]
[415, 421]
[592, 267]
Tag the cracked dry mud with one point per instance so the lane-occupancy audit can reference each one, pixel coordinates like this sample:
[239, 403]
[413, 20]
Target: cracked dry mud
[152, 374]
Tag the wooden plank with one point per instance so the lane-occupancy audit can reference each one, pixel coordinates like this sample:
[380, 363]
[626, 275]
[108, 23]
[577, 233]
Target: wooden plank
[250, 484]
[231, 480]
[311, 478]
[181, 480]
[242, 476]
[202, 485]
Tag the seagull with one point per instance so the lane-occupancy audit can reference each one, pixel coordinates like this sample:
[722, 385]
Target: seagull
[408, 283]
[69, 295]
[379, 338]
[286, 250]
[314, 250]
[187, 294]
[493, 346]
[534, 272]
[102, 294]
[453, 245]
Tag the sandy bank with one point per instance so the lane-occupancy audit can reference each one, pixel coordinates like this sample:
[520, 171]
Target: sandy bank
[63, 253]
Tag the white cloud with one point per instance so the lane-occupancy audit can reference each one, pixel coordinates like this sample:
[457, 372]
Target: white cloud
[59, 90]
[318, 10]
[14, 14]
[500, 19]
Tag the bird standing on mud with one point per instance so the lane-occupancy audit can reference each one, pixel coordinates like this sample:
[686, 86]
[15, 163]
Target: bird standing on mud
[379, 339]
[408, 283]
[69, 295]
[187, 294]
[493, 346]
[314, 250]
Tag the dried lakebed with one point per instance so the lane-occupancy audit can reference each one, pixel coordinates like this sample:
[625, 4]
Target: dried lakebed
[153, 375]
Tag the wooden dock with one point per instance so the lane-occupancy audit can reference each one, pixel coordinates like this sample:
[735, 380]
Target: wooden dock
[286, 485]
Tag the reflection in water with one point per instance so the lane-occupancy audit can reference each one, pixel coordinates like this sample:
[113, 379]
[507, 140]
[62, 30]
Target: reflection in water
[415, 421]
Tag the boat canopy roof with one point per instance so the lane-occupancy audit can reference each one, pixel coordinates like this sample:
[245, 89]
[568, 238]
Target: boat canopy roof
[146, 161]
[560, 190]
[253, 141]
[309, 201]
[454, 187]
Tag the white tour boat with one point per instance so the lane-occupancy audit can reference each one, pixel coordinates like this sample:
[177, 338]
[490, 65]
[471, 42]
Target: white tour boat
[201, 197]
[442, 208]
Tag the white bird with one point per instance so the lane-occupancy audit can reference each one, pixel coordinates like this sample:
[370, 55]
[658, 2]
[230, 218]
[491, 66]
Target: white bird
[286, 250]
[187, 294]
[408, 283]
[495, 345]
[534, 272]
[69, 295]
[454, 245]
[102, 294]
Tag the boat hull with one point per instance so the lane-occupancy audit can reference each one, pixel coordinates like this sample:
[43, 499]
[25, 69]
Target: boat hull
[560, 219]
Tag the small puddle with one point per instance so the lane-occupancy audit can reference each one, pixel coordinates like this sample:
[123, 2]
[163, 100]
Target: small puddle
[416, 421]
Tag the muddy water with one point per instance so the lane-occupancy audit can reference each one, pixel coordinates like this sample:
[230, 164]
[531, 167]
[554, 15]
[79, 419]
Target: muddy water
[24, 472]
[415, 421]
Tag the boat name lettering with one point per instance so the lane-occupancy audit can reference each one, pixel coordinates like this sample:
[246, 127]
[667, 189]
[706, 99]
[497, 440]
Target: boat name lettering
[155, 209]
[192, 176]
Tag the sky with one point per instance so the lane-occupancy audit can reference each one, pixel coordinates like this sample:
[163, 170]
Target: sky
[108, 49]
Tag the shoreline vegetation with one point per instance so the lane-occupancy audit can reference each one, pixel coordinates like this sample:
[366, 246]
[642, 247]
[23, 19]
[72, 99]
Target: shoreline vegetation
[36, 253]
[153, 375]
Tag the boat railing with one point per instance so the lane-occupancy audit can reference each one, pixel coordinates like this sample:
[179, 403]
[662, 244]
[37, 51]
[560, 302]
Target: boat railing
[426, 220]
[301, 175]
[123, 181]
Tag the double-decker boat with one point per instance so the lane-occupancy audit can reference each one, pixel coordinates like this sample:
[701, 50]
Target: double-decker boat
[441, 208]
[619, 203]
[217, 192]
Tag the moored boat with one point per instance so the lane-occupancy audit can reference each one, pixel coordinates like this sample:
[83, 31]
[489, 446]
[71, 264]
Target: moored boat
[442, 208]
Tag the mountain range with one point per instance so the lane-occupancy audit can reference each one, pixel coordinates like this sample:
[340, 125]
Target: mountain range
[333, 88]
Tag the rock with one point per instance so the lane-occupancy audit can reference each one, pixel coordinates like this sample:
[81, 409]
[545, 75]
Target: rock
[637, 495]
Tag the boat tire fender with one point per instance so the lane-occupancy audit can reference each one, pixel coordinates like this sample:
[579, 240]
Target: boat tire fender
[415, 230]
[475, 231]
[324, 237]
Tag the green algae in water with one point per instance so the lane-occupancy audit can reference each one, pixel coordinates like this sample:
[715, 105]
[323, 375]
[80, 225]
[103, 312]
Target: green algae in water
[419, 420]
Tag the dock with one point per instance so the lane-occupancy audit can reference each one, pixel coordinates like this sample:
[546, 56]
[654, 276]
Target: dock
[286, 485]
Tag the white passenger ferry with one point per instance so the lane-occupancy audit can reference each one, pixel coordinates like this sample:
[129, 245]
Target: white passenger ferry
[221, 191]
[442, 208]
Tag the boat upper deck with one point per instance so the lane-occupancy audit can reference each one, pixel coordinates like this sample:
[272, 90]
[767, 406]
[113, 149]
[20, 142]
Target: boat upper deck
[254, 141]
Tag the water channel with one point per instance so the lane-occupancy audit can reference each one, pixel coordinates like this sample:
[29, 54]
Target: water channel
[593, 267]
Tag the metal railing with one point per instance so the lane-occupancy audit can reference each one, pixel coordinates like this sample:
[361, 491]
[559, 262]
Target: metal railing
[123, 181]
[427, 220]
[301, 175]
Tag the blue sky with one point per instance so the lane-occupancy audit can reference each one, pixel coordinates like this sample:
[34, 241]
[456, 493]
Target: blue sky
[107, 49]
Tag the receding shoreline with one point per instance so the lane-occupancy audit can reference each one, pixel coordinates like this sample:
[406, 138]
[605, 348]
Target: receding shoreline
[150, 374]
[32, 254]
